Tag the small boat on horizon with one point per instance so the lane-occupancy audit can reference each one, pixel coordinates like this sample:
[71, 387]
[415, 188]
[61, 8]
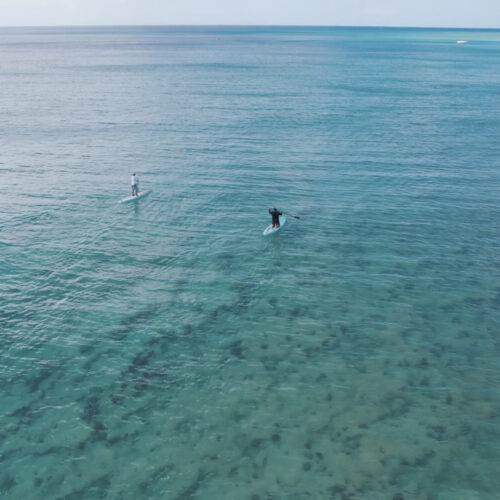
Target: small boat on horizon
[461, 41]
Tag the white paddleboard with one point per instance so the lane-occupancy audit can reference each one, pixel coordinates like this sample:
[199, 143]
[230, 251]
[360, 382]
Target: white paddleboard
[271, 230]
[141, 194]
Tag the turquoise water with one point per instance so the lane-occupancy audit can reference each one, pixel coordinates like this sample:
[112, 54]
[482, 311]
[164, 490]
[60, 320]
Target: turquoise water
[165, 349]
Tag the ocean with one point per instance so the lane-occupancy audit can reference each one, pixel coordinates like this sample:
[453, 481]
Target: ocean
[165, 349]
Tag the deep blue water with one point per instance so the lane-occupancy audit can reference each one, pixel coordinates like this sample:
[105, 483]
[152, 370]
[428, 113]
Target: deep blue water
[166, 349]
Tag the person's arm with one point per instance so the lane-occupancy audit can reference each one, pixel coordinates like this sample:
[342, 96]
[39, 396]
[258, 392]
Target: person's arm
[270, 211]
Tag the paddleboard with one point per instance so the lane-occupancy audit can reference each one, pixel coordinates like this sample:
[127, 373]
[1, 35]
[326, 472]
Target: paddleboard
[141, 194]
[271, 230]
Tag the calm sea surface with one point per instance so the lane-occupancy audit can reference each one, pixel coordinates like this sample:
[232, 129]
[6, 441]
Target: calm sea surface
[166, 349]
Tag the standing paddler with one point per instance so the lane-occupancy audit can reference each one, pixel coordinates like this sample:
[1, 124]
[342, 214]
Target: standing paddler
[134, 182]
[275, 214]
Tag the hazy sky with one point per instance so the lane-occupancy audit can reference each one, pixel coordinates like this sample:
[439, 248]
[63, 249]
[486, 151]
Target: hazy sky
[461, 13]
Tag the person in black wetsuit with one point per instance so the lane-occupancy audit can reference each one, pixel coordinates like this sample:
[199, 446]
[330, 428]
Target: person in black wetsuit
[275, 214]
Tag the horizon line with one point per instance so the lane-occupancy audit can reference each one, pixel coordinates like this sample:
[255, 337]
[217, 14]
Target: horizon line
[390, 26]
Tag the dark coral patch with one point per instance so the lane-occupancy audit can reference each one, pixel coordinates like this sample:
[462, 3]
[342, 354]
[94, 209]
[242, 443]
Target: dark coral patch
[236, 349]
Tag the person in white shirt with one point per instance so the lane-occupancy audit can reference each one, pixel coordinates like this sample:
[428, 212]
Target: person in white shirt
[134, 181]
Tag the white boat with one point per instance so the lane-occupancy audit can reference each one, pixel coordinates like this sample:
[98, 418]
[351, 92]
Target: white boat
[141, 194]
[271, 230]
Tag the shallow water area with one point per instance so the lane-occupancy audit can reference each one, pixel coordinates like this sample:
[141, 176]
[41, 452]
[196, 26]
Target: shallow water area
[165, 348]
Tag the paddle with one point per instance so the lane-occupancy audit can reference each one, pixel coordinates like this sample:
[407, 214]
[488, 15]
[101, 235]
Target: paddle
[290, 215]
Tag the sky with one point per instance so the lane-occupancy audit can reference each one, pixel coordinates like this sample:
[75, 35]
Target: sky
[432, 13]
